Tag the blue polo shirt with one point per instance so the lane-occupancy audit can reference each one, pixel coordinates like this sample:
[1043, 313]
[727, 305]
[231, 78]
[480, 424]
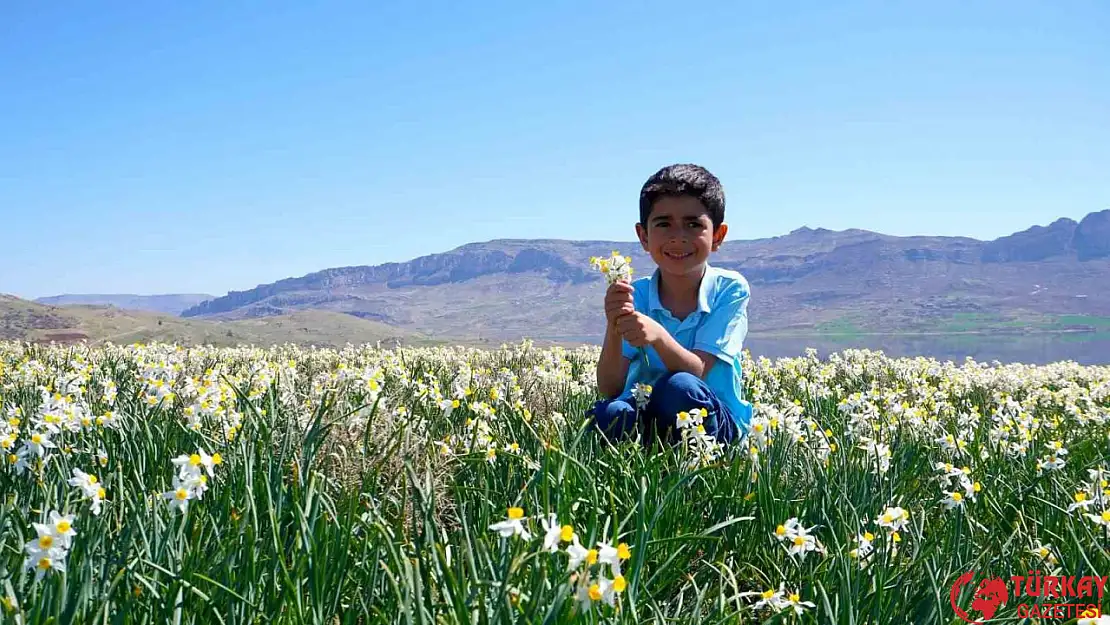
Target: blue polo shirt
[718, 326]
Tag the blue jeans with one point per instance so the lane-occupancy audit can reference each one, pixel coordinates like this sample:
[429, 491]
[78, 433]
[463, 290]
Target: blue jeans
[673, 393]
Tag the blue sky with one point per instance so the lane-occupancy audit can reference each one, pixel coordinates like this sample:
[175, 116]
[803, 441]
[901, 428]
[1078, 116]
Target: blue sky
[153, 147]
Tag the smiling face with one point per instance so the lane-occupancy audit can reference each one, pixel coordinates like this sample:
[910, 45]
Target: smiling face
[679, 235]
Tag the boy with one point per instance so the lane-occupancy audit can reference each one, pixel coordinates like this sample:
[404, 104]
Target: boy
[689, 317]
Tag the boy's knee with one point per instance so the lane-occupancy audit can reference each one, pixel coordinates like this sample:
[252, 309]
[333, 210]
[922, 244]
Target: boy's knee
[614, 418]
[679, 386]
[681, 380]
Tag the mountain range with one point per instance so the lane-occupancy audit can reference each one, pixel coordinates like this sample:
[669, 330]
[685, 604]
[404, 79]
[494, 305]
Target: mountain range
[810, 281]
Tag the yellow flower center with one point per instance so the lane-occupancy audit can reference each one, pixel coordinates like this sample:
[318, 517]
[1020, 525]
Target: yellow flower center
[45, 564]
[1106, 516]
[36, 439]
[1080, 497]
[591, 556]
[799, 541]
[101, 493]
[217, 458]
[1043, 552]
[795, 598]
[566, 533]
[868, 536]
[767, 594]
[623, 552]
[181, 494]
[595, 592]
[516, 513]
[619, 583]
[92, 479]
[976, 487]
[780, 530]
[46, 541]
[64, 526]
[957, 497]
[887, 518]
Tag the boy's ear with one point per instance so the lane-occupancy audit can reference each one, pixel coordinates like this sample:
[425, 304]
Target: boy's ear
[641, 232]
[719, 236]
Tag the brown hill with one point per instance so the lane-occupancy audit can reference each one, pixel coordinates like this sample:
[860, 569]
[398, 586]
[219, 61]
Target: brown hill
[808, 281]
[30, 321]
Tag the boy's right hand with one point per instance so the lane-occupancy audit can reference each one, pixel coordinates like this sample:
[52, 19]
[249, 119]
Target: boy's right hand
[618, 301]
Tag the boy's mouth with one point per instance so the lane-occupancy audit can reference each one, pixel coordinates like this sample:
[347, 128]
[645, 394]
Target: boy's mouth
[678, 255]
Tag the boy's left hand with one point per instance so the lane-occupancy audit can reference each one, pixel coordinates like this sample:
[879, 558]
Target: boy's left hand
[639, 329]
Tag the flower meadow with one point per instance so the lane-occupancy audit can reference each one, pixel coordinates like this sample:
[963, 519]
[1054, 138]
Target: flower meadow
[173, 484]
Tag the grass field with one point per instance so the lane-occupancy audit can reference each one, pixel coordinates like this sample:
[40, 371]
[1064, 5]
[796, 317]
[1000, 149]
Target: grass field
[451, 485]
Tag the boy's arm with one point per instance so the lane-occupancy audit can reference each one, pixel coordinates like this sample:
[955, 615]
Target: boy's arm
[678, 358]
[722, 334]
[612, 366]
[641, 330]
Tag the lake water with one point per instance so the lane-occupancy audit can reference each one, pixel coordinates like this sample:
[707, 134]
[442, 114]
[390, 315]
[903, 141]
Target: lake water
[1030, 349]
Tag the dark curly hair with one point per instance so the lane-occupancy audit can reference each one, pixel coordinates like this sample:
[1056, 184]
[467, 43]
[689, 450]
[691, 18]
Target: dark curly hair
[684, 179]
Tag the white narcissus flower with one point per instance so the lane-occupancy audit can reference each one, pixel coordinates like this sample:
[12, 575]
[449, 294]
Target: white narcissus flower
[794, 601]
[894, 519]
[43, 562]
[615, 268]
[512, 526]
[864, 548]
[641, 393]
[954, 499]
[1083, 501]
[48, 552]
[38, 443]
[768, 598]
[578, 554]
[552, 532]
[62, 527]
[90, 487]
[179, 496]
[1101, 519]
[1044, 552]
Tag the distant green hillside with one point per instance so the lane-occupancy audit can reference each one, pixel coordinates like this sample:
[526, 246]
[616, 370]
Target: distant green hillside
[24, 320]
